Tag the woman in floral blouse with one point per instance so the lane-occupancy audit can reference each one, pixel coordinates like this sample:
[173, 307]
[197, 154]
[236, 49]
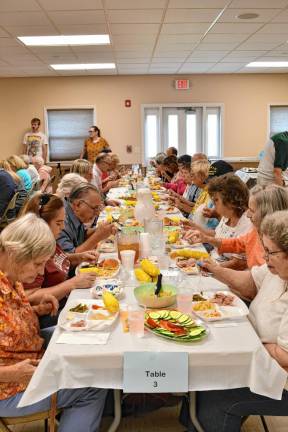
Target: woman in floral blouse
[25, 246]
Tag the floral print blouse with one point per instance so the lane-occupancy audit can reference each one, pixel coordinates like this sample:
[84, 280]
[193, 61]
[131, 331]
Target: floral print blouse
[19, 332]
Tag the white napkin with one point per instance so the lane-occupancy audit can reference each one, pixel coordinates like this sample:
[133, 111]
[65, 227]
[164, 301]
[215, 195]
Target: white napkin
[83, 338]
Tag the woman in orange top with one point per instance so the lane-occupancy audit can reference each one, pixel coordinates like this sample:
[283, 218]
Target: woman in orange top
[261, 202]
[23, 255]
[93, 145]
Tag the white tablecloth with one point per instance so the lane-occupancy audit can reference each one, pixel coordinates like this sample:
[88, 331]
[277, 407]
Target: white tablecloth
[230, 357]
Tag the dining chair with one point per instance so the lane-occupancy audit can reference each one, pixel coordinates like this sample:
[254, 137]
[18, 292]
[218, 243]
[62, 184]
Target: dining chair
[5, 219]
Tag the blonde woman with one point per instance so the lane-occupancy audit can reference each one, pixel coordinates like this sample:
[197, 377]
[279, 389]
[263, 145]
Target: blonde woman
[82, 167]
[23, 255]
[20, 168]
[19, 187]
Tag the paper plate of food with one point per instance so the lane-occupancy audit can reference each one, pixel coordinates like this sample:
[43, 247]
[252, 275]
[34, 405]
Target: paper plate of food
[86, 314]
[171, 221]
[211, 306]
[106, 268]
[175, 326]
[187, 266]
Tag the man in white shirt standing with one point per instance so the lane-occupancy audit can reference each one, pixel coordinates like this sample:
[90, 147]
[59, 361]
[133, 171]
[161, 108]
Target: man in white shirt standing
[35, 142]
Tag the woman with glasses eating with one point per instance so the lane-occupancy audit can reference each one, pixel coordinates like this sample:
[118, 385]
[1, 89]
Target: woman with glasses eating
[93, 145]
[55, 279]
[267, 285]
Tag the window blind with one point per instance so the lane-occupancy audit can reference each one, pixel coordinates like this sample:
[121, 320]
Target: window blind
[278, 119]
[67, 130]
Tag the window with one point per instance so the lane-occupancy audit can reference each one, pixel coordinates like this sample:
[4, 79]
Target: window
[278, 119]
[191, 129]
[67, 130]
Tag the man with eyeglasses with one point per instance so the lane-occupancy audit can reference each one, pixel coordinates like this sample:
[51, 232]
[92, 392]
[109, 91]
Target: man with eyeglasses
[84, 204]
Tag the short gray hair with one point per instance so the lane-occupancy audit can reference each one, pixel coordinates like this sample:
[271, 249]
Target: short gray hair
[82, 190]
[68, 182]
[275, 226]
[27, 238]
[268, 200]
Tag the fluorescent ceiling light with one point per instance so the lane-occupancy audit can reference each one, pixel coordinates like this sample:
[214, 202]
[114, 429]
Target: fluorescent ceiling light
[65, 40]
[269, 64]
[83, 66]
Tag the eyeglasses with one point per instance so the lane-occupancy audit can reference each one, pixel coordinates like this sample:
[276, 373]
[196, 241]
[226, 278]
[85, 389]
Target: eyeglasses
[91, 131]
[95, 209]
[267, 254]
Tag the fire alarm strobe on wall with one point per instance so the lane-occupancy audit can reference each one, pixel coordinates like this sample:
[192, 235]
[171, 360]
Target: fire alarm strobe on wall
[182, 84]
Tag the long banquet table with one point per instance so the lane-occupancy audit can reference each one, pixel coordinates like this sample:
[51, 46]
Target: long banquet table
[231, 356]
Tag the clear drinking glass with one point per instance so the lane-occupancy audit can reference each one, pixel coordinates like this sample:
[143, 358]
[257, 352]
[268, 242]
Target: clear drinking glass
[128, 241]
[136, 315]
[184, 299]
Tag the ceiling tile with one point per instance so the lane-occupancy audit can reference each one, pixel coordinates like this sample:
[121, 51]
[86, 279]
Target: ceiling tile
[196, 67]
[258, 4]
[135, 4]
[27, 60]
[227, 67]
[168, 53]
[136, 39]
[274, 29]
[3, 33]
[6, 42]
[134, 29]
[7, 52]
[255, 46]
[132, 66]
[245, 54]
[168, 59]
[265, 15]
[91, 49]
[283, 47]
[74, 29]
[219, 38]
[23, 18]
[135, 16]
[131, 54]
[51, 5]
[18, 5]
[203, 46]
[217, 53]
[147, 48]
[271, 38]
[161, 69]
[197, 4]
[78, 17]
[161, 46]
[235, 28]
[179, 39]
[231, 59]
[273, 58]
[51, 50]
[63, 58]
[282, 17]
[190, 28]
[3, 63]
[123, 61]
[206, 59]
[191, 15]
[32, 30]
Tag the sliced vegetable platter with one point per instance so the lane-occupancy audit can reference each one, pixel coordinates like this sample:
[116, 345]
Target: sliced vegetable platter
[174, 325]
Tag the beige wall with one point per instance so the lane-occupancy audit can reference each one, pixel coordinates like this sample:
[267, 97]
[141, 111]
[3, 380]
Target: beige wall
[245, 98]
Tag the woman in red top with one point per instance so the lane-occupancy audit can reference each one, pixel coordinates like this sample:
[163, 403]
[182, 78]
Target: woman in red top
[55, 278]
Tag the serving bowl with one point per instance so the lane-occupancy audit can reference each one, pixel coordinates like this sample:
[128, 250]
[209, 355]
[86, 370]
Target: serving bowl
[145, 295]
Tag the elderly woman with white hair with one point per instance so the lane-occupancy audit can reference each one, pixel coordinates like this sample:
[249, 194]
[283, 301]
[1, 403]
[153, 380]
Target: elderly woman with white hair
[267, 285]
[68, 182]
[23, 255]
[44, 172]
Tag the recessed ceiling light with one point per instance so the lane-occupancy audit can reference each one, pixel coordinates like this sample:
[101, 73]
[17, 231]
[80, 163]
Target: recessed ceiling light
[65, 40]
[83, 66]
[270, 64]
[247, 16]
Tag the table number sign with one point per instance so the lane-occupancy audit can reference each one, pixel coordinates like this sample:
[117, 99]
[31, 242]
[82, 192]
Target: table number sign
[155, 372]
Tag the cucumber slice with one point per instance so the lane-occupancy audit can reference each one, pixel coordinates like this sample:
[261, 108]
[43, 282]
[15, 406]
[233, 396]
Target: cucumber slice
[196, 332]
[166, 315]
[175, 315]
[154, 315]
[184, 318]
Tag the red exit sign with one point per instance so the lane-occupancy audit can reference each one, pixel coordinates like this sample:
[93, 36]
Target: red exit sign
[182, 84]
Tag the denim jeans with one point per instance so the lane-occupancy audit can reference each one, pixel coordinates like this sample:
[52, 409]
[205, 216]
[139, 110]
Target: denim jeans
[224, 410]
[82, 408]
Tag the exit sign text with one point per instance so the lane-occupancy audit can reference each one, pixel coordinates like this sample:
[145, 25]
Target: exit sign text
[182, 84]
